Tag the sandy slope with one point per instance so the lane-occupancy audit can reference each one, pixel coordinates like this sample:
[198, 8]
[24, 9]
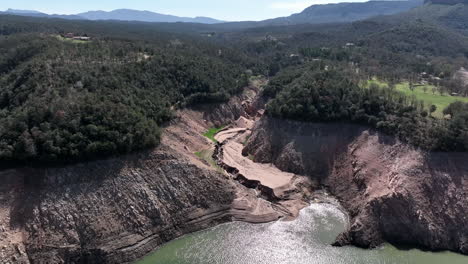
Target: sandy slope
[290, 192]
[266, 174]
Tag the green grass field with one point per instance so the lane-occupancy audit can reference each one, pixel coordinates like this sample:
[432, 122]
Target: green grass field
[207, 155]
[212, 132]
[428, 97]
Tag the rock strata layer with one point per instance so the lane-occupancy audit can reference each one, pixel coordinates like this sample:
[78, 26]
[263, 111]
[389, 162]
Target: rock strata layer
[111, 211]
[393, 192]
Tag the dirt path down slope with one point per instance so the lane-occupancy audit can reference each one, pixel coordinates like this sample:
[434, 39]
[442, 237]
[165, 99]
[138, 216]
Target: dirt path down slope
[289, 191]
[267, 174]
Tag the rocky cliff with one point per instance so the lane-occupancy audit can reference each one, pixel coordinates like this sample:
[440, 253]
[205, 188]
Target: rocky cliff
[111, 211]
[392, 191]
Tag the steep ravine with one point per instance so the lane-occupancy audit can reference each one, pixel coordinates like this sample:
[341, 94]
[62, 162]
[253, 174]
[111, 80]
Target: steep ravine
[392, 191]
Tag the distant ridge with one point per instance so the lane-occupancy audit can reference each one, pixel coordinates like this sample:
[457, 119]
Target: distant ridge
[347, 12]
[446, 2]
[33, 13]
[336, 13]
[315, 14]
[18, 11]
[119, 14]
[143, 16]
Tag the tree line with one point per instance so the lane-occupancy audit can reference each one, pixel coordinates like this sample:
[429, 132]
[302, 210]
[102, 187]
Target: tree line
[321, 92]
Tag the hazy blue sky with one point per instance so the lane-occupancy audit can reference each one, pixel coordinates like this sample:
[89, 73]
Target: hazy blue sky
[220, 9]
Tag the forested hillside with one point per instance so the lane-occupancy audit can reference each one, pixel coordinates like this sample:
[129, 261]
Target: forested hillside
[395, 48]
[67, 100]
[345, 12]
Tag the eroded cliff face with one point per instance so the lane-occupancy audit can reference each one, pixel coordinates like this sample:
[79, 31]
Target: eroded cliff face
[305, 149]
[114, 211]
[392, 191]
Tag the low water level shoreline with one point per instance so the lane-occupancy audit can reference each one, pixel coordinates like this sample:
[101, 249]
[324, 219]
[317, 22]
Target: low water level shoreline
[304, 240]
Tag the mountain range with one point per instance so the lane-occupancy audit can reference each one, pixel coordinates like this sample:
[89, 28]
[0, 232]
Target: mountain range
[119, 14]
[315, 14]
[143, 16]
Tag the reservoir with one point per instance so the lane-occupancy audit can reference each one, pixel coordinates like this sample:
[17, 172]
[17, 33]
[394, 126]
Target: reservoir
[305, 240]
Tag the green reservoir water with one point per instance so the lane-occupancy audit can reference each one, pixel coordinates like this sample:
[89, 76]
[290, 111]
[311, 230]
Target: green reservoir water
[304, 240]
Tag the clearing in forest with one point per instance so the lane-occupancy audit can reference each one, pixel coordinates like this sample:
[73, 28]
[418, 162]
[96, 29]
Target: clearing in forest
[71, 40]
[426, 93]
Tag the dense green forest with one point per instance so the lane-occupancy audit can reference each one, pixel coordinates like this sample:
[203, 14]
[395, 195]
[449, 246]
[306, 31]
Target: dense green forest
[67, 101]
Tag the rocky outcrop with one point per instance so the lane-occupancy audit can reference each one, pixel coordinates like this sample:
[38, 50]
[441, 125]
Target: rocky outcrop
[237, 106]
[410, 197]
[461, 76]
[114, 211]
[392, 191]
[305, 149]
